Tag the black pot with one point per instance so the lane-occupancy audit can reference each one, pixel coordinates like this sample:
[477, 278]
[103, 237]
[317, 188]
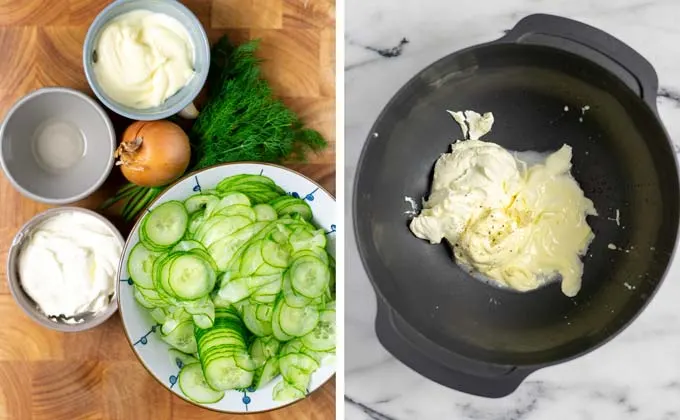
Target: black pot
[484, 340]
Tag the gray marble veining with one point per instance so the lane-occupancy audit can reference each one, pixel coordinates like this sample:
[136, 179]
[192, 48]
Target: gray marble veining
[637, 375]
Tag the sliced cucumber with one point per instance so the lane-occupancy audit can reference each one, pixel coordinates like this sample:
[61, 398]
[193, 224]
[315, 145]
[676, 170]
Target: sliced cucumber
[275, 254]
[275, 300]
[239, 210]
[309, 276]
[265, 212]
[191, 277]
[166, 224]
[297, 321]
[182, 337]
[278, 332]
[257, 326]
[195, 387]
[322, 337]
[290, 296]
[187, 245]
[140, 265]
[141, 299]
[304, 239]
[224, 227]
[267, 373]
[199, 202]
[284, 391]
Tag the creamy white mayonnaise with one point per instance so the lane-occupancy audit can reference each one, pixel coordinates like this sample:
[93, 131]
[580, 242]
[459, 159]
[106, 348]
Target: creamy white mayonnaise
[68, 264]
[516, 223]
[143, 58]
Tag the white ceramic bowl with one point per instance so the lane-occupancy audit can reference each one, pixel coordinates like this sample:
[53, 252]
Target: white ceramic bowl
[142, 330]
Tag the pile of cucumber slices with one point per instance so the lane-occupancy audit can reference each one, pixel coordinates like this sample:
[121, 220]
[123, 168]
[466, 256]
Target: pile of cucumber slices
[241, 283]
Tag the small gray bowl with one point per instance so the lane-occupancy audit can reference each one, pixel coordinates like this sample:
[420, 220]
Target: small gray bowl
[27, 304]
[185, 96]
[85, 123]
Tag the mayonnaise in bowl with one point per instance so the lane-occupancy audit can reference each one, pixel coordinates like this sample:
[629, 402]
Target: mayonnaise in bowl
[143, 58]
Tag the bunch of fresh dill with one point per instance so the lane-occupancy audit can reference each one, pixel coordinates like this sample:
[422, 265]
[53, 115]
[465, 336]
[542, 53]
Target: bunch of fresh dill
[241, 121]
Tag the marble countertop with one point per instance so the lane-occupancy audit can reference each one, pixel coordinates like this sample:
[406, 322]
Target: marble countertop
[635, 376]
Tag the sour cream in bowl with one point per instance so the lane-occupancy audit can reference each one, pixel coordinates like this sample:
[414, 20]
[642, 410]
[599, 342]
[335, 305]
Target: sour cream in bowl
[62, 268]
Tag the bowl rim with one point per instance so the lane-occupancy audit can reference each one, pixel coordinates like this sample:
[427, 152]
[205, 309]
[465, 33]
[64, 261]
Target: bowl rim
[98, 25]
[15, 283]
[120, 267]
[111, 133]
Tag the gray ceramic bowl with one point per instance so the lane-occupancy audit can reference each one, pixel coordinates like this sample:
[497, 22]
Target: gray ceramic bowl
[40, 124]
[26, 303]
[199, 39]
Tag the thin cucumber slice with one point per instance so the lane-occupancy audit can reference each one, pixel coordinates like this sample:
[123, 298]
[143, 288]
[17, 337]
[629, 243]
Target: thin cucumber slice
[297, 207]
[229, 199]
[152, 296]
[292, 364]
[257, 352]
[196, 220]
[322, 338]
[199, 202]
[195, 387]
[278, 333]
[267, 373]
[275, 254]
[293, 346]
[182, 337]
[224, 250]
[140, 265]
[143, 238]
[159, 315]
[283, 391]
[239, 210]
[224, 374]
[265, 212]
[247, 179]
[191, 277]
[293, 299]
[314, 251]
[260, 328]
[142, 300]
[263, 299]
[269, 270]
[309, 276]
[252, 258]
[298, 321]
[225, 226]
[304, 239]
[166, 224]
[187, 245]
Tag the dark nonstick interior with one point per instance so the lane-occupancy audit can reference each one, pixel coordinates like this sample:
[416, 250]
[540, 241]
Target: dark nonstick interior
[622, 160]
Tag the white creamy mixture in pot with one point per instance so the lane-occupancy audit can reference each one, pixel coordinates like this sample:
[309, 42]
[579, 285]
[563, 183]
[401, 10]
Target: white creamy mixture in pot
[143, 58]
[68, 264]
[516, 223]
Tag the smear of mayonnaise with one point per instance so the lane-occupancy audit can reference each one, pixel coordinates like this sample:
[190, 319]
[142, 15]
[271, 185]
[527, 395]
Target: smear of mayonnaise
[517, 223]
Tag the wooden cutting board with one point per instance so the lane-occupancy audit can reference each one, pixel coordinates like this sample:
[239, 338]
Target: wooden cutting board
[94, 374]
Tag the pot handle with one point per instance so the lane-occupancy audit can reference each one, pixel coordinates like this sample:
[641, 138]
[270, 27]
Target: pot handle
[593, 44]
[441, 366]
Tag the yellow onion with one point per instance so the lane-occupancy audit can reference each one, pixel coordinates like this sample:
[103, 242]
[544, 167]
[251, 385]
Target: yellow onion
[153, 153]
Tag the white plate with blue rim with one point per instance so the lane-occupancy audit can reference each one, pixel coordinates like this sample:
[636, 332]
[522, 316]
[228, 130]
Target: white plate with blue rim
[143, 332]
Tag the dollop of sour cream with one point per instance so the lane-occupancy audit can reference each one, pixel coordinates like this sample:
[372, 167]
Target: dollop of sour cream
[143, 58]
[515, 223]
[68, 264]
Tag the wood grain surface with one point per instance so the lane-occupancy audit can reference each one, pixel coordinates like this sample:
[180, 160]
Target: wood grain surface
[94, 374]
